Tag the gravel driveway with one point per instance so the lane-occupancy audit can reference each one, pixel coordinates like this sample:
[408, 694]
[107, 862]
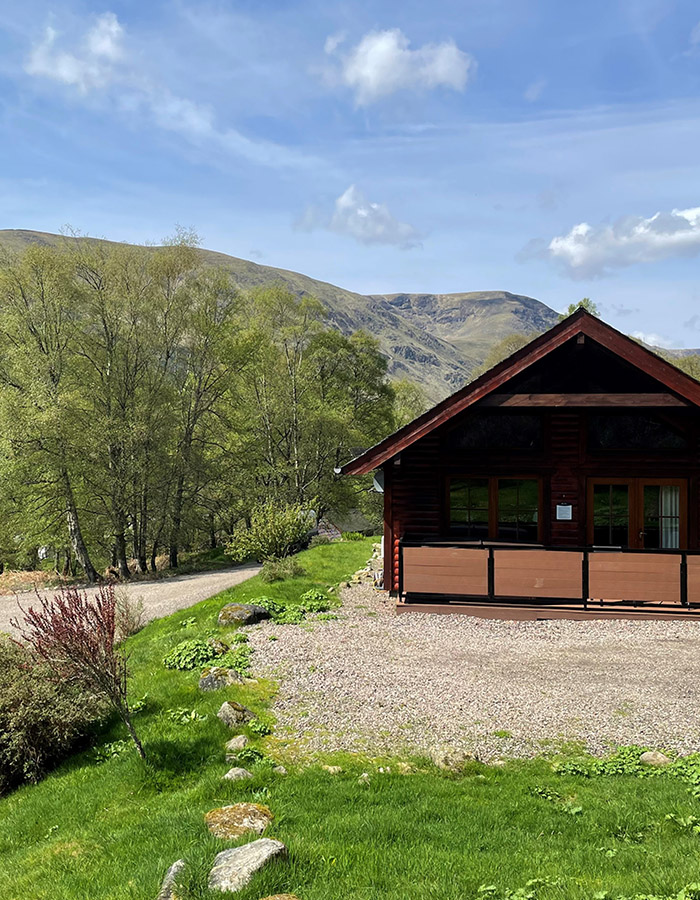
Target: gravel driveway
[160, 598]
[375, 682]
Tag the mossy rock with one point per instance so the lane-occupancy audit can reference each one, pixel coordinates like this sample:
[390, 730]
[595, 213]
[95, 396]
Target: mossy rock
[228, 822]
[242, 614]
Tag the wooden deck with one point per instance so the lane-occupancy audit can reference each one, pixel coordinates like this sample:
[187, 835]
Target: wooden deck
[526, 612]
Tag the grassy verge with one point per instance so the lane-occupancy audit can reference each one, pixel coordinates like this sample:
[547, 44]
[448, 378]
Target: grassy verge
[107, 830]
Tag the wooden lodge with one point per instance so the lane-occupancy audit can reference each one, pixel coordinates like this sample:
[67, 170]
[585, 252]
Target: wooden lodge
[564, 482]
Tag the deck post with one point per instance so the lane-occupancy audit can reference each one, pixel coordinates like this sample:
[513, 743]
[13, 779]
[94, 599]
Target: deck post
[491, 575]
[584, 579]
[684, 579]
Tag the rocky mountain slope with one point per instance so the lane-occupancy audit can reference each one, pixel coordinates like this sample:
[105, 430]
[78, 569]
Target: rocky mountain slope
[435, 340]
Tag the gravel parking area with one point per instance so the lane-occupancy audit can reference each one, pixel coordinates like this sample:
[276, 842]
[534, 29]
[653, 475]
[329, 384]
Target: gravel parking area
[375, 682]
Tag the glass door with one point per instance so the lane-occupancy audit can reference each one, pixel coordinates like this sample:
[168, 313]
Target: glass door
[637, 512]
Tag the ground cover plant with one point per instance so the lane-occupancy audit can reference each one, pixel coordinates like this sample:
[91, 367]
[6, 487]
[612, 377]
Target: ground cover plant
[106, 826]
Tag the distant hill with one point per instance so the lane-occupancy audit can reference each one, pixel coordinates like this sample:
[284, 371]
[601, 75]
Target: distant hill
[435, 340]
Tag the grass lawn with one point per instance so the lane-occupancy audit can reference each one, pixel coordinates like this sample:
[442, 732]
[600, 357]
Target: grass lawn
[107, 830]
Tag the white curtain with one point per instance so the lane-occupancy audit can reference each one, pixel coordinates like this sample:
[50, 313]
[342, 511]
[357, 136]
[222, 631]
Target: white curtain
[670, 516]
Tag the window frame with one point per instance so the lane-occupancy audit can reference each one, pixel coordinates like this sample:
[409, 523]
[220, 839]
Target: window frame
[493, 480]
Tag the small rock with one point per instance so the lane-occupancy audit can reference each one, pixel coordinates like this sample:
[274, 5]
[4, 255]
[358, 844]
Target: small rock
[499, 763]
[237, 774]
[654, 758]
[234, 868]
[333, 770]
[219, 647]
[281, 897]
[167, 889]
[364, 778]
[234, 714]
[239, 742]
[385, 770]
[279, 770]
[242, 614]
[216, 677]
[229, 822]
[450, 758]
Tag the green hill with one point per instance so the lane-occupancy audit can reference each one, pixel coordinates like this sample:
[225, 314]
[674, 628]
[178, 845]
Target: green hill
[435, 340]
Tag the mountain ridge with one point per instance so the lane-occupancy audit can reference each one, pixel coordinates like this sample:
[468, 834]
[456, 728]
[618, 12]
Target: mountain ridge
[436, 340]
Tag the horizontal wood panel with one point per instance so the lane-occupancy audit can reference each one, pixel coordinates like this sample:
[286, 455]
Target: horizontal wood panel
[465, 559]
[635, 577]
[457, 585]
[592, 400]
[537, 573]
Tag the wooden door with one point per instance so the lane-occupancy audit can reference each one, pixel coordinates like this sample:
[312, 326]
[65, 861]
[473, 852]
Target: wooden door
[639, 513]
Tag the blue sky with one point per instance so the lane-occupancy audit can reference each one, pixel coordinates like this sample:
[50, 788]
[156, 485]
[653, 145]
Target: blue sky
[544, 148]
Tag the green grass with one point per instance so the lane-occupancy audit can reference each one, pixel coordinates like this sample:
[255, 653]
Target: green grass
[108, 830]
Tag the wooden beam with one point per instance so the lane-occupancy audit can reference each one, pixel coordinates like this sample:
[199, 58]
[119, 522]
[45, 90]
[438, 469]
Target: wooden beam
[606, 400]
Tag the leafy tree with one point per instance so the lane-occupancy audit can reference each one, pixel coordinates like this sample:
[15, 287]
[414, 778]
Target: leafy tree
[508, 345]
[586, 303]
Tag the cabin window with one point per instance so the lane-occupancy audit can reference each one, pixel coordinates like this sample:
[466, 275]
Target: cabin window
[497, 431]
[504, 509]
[469, 507]
[611, 515]
[518, 509]
[633, 432]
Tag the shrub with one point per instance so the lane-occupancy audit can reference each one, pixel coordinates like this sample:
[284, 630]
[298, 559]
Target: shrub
[237, 659]
[272, 606]
[274, 531]
[353, 536]
[193, 654]
[314, 601]
[76, 636]
[129, 614]
[260, 727]
[318, 540]
[41, 717]
[281, 569]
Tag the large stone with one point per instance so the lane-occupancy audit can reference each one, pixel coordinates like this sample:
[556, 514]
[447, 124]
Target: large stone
[168, 888]
[237, 774]
[234, 714]
[216, 677]
[451, 759]
[654, 758]
[242, 614]
[228, 822]
[234, 868]
[239, 742]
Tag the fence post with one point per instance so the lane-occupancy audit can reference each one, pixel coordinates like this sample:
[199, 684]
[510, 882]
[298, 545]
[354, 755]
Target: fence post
[684, 579]
[492, 575]
[584, 579]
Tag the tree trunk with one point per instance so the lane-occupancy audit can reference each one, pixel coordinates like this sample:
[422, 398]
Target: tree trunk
[75, 532]
[176, 522]
[120, 552]
[212, 533]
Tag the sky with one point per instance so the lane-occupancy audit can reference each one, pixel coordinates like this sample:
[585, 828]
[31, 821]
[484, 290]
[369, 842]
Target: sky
[534, 146]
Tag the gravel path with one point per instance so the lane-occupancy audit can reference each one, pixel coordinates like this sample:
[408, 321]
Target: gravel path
[160, 598]
[373, 681]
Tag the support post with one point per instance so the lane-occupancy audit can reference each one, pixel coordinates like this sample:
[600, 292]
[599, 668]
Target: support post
[491, 575]
[584, 579]
[684, 579]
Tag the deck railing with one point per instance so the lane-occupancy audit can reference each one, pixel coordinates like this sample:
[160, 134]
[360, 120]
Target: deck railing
[549, 575]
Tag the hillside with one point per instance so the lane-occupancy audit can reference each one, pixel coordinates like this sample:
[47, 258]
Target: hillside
[433, 339]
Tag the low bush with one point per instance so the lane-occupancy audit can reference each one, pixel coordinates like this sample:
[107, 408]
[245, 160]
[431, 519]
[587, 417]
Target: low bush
[238, 659]
[281, 569]
[41, 717]
[194, 654]
[129, 614]
[274, 532]
[314, 601]
[353, 536]
[318, 540]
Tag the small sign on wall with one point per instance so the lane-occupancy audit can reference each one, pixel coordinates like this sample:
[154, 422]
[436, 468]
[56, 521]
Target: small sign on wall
[564, 512]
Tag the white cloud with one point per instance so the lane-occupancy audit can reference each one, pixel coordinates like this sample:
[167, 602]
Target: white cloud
[99, 62]
[653, 339]
[588, 251]
[90, 66]
[356, 217]
[383, 63]
[333, 41]
[534, 90]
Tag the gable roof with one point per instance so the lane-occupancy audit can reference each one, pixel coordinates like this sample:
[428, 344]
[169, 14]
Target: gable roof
[580, 322]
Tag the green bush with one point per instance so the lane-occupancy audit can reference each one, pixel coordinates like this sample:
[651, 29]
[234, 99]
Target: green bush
[275, 531]
[281, 569]
[41, 719]
[237, 658]
[272, 606]
[315, 601]
[353, 536]
[318, 540]
[194, 654]
[280, 613]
